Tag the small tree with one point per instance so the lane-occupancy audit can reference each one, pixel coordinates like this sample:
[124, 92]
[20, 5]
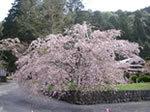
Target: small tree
[82, 60]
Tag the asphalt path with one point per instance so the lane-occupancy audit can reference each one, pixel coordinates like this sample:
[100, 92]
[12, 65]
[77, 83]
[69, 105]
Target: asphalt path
[13, 99]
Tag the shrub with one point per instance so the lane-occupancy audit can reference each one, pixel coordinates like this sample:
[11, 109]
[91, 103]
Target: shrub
[133, 78]
[144, 78]
[8, 60]
[147, 58]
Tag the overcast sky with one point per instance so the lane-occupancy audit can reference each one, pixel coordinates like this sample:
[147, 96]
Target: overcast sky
[102, 5]
[114, 5]
[5, 5]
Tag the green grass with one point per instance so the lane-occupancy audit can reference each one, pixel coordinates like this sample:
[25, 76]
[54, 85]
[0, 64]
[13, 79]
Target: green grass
[134, 86]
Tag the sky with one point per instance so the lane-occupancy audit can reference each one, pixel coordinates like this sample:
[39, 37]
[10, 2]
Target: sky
[5, 5]
[102, 5]
[114, 5]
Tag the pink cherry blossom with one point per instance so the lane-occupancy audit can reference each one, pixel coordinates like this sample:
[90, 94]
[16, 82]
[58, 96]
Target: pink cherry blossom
[83, 57]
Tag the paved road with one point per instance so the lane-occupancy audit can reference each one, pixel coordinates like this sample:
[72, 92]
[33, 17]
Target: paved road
[12, 99]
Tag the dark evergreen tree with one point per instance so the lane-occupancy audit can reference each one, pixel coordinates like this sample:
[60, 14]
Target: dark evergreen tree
[53, 13]
[10, 24]
[72, 8]
[82, 16]
[74, 5]
[21, 21]
[1, 28]
[141, 32]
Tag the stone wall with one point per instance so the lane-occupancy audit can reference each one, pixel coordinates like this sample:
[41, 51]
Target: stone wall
[105, 97]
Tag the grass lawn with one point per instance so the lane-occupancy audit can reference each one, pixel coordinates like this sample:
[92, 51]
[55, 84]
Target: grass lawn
[134, 86]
